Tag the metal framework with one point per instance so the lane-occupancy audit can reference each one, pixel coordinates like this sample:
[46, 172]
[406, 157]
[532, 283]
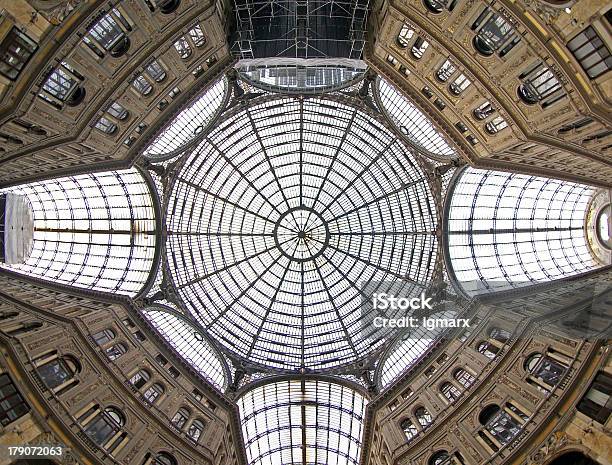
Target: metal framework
[412, 122]
[189, 342]
[508, 230]
[301, 75]
[190, 122]
[409, 349]
[299, 422]
[93, 231]
[282, 215]
[299, 29]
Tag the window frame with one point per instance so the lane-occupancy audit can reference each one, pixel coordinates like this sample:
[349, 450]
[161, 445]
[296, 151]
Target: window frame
[15, 43]
[17, 405]
[594, 44]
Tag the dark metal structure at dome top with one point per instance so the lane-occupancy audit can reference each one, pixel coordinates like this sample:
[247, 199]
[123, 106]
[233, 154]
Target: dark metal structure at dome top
[299, 29]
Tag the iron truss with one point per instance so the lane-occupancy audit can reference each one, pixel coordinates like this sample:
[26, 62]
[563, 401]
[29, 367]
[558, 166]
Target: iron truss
[299, 29]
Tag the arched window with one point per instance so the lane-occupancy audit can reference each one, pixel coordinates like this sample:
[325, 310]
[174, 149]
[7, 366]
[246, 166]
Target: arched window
[116, 110]
[106, 126]
[488, 413]
[539, 84]
[102, 426]
[180, 418]
[423, 417]
[495, 125]
[438, 6]
[163, 458]
[63, 86]
[168, 6]
[142, 86]
[500, 424]
[108, 35]
[450, 391]
[104, 337]
[488, 349]
[197, 36]
[484, 110]
[183, 48]
[155, 71]
[140, 379]
[58, 371]
[195, 430]
[464, 377]
[439, 458]
[419, 47]
[153, 393]
[545, 368]
[404, 36]
[493, 34]
[115, 351]
[410, 430]
[446, 71]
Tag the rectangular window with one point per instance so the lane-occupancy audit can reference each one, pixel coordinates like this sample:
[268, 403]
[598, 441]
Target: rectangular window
[15, 51]
[197, 36]
[60, 85]
[459, 84]
[116, 110]
[142, 85]
[446, 71]
[155, 71]
[108, 34]
[590, 51]
[597, 402]
[540, 85]
[12, 404]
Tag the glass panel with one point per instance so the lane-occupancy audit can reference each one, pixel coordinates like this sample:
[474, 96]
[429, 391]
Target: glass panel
[412, 121]
[15, 51]
[281, 421]
[529, 230]
[93, 231]
[189, 344]
[155, 71]
[197, 36]
[183, 48]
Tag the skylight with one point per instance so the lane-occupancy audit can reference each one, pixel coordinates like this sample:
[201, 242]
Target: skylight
[279, 219]
[189, 343]
[299, 422]
[93, 231]
[508, 230]
[188, 123]
[411, 121]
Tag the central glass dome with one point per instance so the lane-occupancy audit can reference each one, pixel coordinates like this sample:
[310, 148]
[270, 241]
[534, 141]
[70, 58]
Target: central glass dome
[283, 221]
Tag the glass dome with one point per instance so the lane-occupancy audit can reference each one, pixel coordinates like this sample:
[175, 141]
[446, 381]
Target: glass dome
[279, 219]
